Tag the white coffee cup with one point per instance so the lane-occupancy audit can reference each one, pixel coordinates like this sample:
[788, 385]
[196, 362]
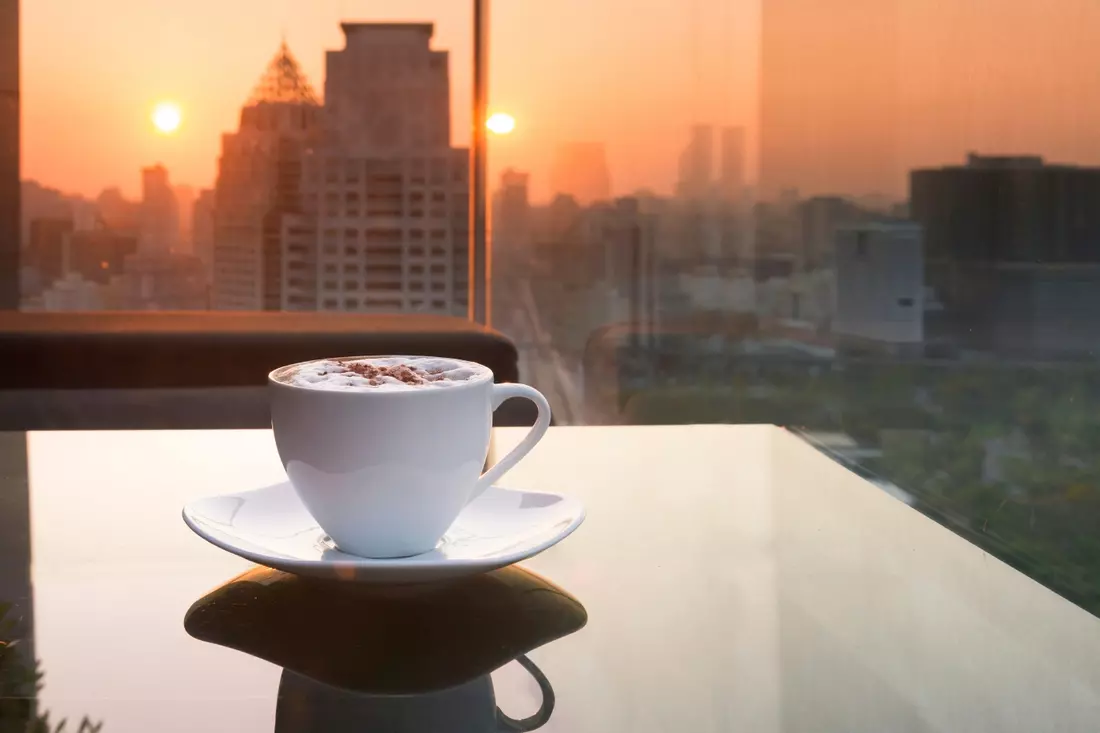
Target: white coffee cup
[385, 472]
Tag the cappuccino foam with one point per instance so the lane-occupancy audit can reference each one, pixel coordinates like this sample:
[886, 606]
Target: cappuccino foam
[390, 373]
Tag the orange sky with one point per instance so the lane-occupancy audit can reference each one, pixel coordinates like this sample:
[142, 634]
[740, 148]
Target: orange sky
[920, 84]
[858, 92]
[631, 74]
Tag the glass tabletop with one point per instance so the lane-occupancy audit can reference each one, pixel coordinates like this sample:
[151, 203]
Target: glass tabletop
[726, 578]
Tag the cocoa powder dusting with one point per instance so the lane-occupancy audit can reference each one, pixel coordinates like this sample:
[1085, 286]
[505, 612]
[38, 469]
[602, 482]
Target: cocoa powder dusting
[400, 372]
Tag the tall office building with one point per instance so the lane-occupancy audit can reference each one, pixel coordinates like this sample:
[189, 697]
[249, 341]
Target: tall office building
[697, 164]
[387, 92]
[829, 98]
[385, 218]
[258, 184]
[580, 170]
[155, 277]
[1009, 209]
[1012, 253]
[10, 227]
[160, 214]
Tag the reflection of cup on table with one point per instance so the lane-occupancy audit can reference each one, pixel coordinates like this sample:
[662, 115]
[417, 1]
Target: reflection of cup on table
[385, 452]
[392, 658]
[306, 705]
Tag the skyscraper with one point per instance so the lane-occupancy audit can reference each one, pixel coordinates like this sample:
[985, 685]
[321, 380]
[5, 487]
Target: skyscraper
[580, 170]
[160, 214]
[259, 181]
[697, 164]
[385, 219]
[9, 155]
[387, 92]
[829, 89]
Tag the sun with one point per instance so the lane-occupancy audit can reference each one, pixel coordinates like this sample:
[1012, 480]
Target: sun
[501, 123]
[167, 117]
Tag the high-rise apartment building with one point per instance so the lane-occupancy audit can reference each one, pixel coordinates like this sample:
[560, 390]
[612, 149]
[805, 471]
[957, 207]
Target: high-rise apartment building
[829, 86]
[580, 170]
[10, 226]
[258, 184]
[384, 224]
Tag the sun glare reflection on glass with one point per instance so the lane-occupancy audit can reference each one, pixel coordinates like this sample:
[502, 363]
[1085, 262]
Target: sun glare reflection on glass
[501, 123]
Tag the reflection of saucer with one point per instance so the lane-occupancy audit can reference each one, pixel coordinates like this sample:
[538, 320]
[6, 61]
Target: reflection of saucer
[271, 526]
[367, 639]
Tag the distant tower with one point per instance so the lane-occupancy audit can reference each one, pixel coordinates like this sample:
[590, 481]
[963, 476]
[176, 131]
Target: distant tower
[512, 215]
[259, 178]
[580, 170]
[697, 164]
[10, 226]
[160, 216]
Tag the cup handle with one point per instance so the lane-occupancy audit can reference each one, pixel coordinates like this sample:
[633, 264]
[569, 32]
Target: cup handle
[502, 392]
[511, 725]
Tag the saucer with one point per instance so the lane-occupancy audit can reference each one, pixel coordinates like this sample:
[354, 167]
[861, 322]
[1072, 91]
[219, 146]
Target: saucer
[271, 527]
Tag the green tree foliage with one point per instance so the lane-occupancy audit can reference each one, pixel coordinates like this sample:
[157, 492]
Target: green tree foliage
[20, 684]
[1008, 456]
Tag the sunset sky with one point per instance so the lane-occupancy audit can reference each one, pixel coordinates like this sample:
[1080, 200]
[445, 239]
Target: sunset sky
[633, 75]
[919, 81]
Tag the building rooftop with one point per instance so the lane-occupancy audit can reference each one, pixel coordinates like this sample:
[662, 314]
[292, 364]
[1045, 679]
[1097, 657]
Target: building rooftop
[348, 28]
[975, 160]
[1012, 163]
[283, 82]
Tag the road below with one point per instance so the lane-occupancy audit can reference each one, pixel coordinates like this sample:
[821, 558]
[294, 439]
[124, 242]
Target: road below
[540, 364]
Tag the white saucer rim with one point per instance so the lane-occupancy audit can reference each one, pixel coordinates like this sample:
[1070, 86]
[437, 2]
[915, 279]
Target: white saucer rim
[395, 563]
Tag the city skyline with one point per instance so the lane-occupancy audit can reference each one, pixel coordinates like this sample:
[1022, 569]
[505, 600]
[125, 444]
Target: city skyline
[211, 78]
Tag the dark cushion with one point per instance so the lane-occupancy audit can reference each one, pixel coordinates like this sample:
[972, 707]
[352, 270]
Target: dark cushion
[220, 349]
[117, 370]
